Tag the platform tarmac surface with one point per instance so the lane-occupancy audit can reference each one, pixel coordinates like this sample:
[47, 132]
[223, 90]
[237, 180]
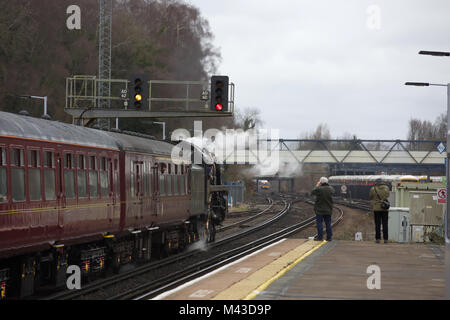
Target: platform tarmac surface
[339, 270]
[296, 269]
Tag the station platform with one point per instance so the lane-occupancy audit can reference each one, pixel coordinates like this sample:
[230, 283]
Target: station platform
[296, 269]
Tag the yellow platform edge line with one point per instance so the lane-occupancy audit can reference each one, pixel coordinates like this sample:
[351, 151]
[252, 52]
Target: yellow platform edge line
[263, 286]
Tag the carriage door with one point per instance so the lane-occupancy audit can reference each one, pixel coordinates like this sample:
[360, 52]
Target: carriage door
[111, 193]
[61, 198]
[155, 190]
[139, 188]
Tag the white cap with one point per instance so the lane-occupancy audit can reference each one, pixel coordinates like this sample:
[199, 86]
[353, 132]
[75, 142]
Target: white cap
[323, 180]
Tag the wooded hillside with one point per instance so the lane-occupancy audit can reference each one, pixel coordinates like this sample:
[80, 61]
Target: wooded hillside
[167, 40]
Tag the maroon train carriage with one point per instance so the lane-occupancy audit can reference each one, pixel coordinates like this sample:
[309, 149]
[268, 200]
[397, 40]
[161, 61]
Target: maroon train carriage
[97, 199]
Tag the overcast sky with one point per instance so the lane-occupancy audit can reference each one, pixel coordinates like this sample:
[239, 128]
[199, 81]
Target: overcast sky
[339, 62]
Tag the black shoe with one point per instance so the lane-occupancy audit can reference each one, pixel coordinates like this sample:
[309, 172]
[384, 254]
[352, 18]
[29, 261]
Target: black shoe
[318, 239]
[329, 239]
[377, 241]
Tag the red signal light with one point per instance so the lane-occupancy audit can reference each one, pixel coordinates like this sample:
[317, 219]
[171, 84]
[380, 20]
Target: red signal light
[219, 107]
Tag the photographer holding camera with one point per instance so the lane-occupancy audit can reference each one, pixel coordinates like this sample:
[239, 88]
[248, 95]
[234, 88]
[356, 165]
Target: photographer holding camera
[379, 194]
[323, 207]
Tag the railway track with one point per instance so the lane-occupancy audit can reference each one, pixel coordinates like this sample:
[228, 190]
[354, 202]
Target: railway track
[356, 204]
[153, 288]
[150, 288]
[253, 217]
[103, 284]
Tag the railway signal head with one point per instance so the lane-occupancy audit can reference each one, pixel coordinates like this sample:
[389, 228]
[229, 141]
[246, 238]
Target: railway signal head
[138, 91]
[219, 93]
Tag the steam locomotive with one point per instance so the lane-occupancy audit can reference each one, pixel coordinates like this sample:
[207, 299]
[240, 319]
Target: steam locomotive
[71, 195]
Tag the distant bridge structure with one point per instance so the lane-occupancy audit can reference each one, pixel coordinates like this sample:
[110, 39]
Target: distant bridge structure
[355, 156]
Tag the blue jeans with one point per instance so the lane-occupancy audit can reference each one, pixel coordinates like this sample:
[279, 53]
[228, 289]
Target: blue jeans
[327, 219]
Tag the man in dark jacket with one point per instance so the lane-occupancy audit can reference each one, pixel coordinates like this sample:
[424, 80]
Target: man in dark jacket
[323, 207]
[378, 193]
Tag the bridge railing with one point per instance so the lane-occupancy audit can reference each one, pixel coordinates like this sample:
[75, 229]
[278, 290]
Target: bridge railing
[300, 151]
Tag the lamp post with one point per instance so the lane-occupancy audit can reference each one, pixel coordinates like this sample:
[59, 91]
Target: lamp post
[37, 97]
[447, 216]
[435, 53]
[163, 128]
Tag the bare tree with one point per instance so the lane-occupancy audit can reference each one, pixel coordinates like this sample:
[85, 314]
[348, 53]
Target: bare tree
[248, 118]
[440, 127]
[425, 130]
[320, 133]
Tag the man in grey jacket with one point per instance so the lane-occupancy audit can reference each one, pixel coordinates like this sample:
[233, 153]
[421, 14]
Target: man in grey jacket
[323, 207]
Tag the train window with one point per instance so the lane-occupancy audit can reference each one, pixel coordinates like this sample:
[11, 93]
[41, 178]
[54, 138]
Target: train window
[69, 183]
[104, 183]
[162, 182]
[2, 156]
[49, 180]
[3, 185]
[34, 158]
[170, 168]
[82, 184]
[150, 179]
[93, 184]
[81, 162]
[81, 177]
[93, 177]
[68, 161]
[17, 175]
[34, 175]
[34, 184]
[179, 186]
[182, 169]
[162, 186]
[3, 176]
[169, 183]
[103, 164]
[69, 176]
[92, 163]
[144, 179]
[176, 185]
[182, 189]
[49, 175]
[18, 187]
[163, 168]
[17, 157]
[116, 179]
[49, 159]
[176, 169]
